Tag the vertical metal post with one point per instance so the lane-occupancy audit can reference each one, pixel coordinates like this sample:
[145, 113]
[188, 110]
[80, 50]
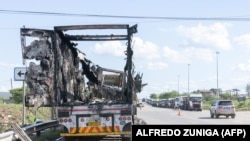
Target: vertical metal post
[23, 41]
[178, 85]
[11, 84]
[188, 78]
[23, 119]
[217, 90]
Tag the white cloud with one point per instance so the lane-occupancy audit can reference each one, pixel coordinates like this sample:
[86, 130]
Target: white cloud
[110, 48]
[142, 49]
[242, 66]
[186, 55]
[202, 54]
[156, 65]
[215, 35]
[243, 40]
[175, 56]
[145, 49]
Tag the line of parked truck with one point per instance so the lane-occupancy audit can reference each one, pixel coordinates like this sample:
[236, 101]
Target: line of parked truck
[192, 101]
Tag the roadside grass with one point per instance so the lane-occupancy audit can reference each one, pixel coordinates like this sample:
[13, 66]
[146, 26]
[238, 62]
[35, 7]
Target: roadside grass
[16, 112]
[240, 105]
[12, 112]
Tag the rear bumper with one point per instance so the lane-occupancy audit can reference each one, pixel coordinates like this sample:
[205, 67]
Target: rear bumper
[223, 113]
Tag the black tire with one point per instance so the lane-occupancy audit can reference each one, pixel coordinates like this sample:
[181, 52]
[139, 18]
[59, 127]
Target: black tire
[216, 115]
[211, 115]
[232, 116]
[127, 127]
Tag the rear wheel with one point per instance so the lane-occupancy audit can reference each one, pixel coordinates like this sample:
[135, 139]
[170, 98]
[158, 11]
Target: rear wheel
[211, 115]
[232, 116]
[216, 115]
[127, 127]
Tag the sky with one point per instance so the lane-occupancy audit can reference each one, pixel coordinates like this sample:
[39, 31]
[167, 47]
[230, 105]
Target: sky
[180, 45]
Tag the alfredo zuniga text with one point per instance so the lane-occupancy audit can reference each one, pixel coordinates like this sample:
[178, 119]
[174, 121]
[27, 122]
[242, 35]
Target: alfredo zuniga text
[194, 131]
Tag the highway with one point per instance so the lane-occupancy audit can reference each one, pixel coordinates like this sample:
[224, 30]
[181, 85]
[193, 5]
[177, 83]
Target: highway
[157, 115]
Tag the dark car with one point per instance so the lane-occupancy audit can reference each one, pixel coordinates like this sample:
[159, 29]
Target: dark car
[222, 108]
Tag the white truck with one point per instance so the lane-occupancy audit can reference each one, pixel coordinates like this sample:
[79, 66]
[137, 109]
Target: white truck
[88, 100]
[192, 101]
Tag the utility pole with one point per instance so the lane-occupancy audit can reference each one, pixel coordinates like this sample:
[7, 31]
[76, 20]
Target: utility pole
[178, 85]
[24, 93]
[217, 90]
[188, 78]
[24, 115]
[11, 86]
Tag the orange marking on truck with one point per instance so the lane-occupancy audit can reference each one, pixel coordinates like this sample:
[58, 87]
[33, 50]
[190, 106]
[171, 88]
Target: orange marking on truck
[95, 129]
[73, 130]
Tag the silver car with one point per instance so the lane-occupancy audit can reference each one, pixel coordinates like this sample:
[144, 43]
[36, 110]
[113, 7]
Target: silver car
[222, 108]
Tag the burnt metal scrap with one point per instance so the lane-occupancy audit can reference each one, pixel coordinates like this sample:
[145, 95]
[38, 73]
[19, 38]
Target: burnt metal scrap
[65, 76]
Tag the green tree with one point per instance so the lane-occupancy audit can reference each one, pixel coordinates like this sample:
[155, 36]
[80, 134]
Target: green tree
[226, 96]
[166, 95]
[17, 94]
[208, 97]
[153, 96]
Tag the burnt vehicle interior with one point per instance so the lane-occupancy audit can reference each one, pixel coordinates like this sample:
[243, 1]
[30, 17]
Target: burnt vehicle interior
[59, 73]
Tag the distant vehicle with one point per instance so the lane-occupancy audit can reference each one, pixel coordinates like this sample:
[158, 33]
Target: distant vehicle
[163, 103]
[222, 108]
[171, 103]
[190, 102]
[155, 102]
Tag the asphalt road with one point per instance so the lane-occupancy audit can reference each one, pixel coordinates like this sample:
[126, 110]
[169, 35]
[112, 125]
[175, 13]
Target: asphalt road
[157, 115]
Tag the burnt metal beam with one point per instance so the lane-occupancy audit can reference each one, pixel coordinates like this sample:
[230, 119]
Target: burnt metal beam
[112, 70]
[35, 32]
[82, 27]
[96, 37]
[132, 29]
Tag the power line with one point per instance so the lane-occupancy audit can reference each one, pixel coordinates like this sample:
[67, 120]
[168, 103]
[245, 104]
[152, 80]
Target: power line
[128, 17]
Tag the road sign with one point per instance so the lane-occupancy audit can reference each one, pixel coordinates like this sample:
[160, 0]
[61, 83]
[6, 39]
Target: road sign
[19, 73]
